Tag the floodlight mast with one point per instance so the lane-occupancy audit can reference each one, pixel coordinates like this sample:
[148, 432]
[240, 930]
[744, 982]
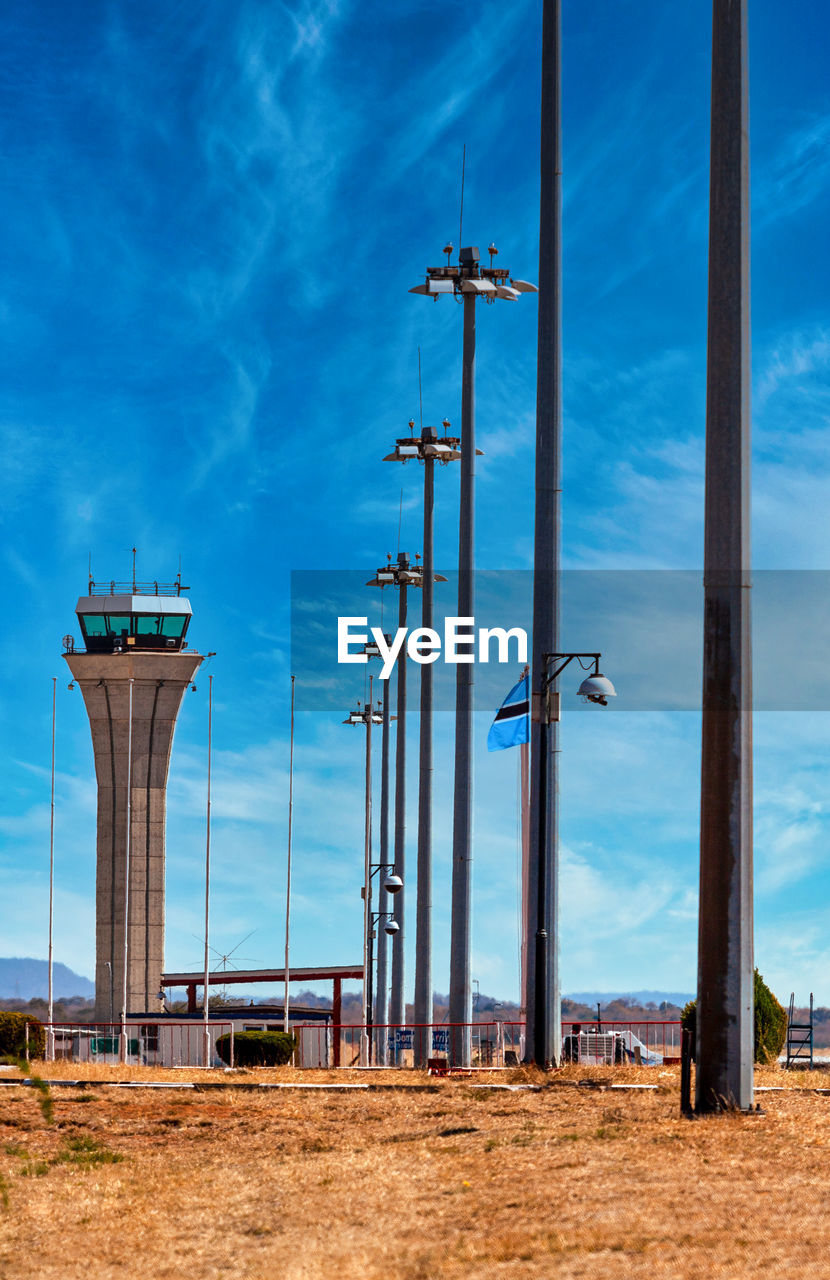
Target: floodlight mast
[381, 1000]
[400, 574]
[366, 716]
[381, 1006]
[469, 280]
[724, 1075]
[428, 449]
[543, 1043]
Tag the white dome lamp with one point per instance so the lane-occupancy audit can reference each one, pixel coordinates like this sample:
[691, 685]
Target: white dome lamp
[597, 688]
[393, 883]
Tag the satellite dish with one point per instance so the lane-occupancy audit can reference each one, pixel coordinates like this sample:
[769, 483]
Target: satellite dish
[68, 643]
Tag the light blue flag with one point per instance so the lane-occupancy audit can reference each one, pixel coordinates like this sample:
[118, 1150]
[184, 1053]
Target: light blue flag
[511, 725]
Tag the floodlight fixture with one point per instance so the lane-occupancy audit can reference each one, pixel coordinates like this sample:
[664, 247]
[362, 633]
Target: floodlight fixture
[469, 277]
[597, 688]
[400, 574]
[363, 716]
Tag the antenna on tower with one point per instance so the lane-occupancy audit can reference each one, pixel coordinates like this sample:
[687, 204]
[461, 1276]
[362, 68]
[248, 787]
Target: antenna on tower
[420, 396]
[134, 551]
[461, 211]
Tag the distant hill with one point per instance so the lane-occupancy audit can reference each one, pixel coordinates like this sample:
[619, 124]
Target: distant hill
[633, 997]
[22, 978]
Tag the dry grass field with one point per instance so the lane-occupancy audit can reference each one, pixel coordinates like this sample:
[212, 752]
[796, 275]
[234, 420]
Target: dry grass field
[451, 1182]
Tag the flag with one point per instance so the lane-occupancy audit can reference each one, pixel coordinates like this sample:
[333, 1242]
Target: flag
[510, 727]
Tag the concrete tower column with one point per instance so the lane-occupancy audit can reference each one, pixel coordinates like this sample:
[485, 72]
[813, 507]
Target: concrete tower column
[139, 760]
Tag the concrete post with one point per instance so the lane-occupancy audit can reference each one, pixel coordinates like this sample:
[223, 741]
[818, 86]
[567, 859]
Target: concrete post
[725, 943]
[159, 683]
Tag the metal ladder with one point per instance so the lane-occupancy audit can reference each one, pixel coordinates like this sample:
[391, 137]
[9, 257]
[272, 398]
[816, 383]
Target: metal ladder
[799, 1038]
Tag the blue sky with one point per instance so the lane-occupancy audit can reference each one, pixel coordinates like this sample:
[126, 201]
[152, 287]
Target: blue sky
[212, 216]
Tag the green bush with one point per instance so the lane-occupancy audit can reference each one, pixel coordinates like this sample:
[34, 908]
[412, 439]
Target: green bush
[13, 1035]
[257, 1048]
[770, 1022]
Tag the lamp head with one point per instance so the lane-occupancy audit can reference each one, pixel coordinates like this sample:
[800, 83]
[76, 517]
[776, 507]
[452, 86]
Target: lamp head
[597, 688]
[393, 883]
[391, 927]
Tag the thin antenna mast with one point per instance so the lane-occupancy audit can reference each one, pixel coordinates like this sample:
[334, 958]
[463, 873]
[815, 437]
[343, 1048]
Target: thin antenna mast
[461, 211]
[420, 395]
[134, 551]
[400, 518]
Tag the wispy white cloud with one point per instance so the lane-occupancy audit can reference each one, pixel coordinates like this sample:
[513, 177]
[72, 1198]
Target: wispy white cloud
[798, 176]
[791, 364]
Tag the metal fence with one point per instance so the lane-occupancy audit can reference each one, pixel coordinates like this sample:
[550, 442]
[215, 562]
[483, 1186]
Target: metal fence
[493, 1045]
[138, 1043]
[497, 1044]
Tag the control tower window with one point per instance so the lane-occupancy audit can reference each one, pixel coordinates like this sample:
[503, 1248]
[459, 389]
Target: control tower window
[163, 624]
[147, 624]
[93, 624]
[119, 624]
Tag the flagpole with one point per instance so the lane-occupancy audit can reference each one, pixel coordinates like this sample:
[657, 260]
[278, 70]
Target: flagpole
[511, 728]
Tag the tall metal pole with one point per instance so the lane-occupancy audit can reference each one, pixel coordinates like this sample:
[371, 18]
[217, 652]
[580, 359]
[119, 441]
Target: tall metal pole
[367, 885]
[423, 914]
[524, 793]
[397, 1005]
[725, 943]
[461, 1000]
[285, 1013]
[382, 997]
[127, 872]
[542, 998]
[206, 998]
[50, 1045]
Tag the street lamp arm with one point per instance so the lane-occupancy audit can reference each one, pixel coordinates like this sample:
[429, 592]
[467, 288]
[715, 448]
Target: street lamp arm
[564, 659]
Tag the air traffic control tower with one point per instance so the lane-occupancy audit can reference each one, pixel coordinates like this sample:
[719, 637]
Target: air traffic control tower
[133, 674]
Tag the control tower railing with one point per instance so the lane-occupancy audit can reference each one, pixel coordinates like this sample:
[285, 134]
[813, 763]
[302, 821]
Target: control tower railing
[134, 588]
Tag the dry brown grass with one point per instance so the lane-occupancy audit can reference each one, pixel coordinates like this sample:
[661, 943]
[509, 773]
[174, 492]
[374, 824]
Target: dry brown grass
[454, 1182]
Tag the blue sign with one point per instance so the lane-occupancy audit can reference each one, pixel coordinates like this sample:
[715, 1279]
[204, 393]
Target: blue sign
[403, 1037]
[440, 1040]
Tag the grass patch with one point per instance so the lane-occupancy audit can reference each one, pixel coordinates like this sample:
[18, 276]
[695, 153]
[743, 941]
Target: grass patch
[86, 1152]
